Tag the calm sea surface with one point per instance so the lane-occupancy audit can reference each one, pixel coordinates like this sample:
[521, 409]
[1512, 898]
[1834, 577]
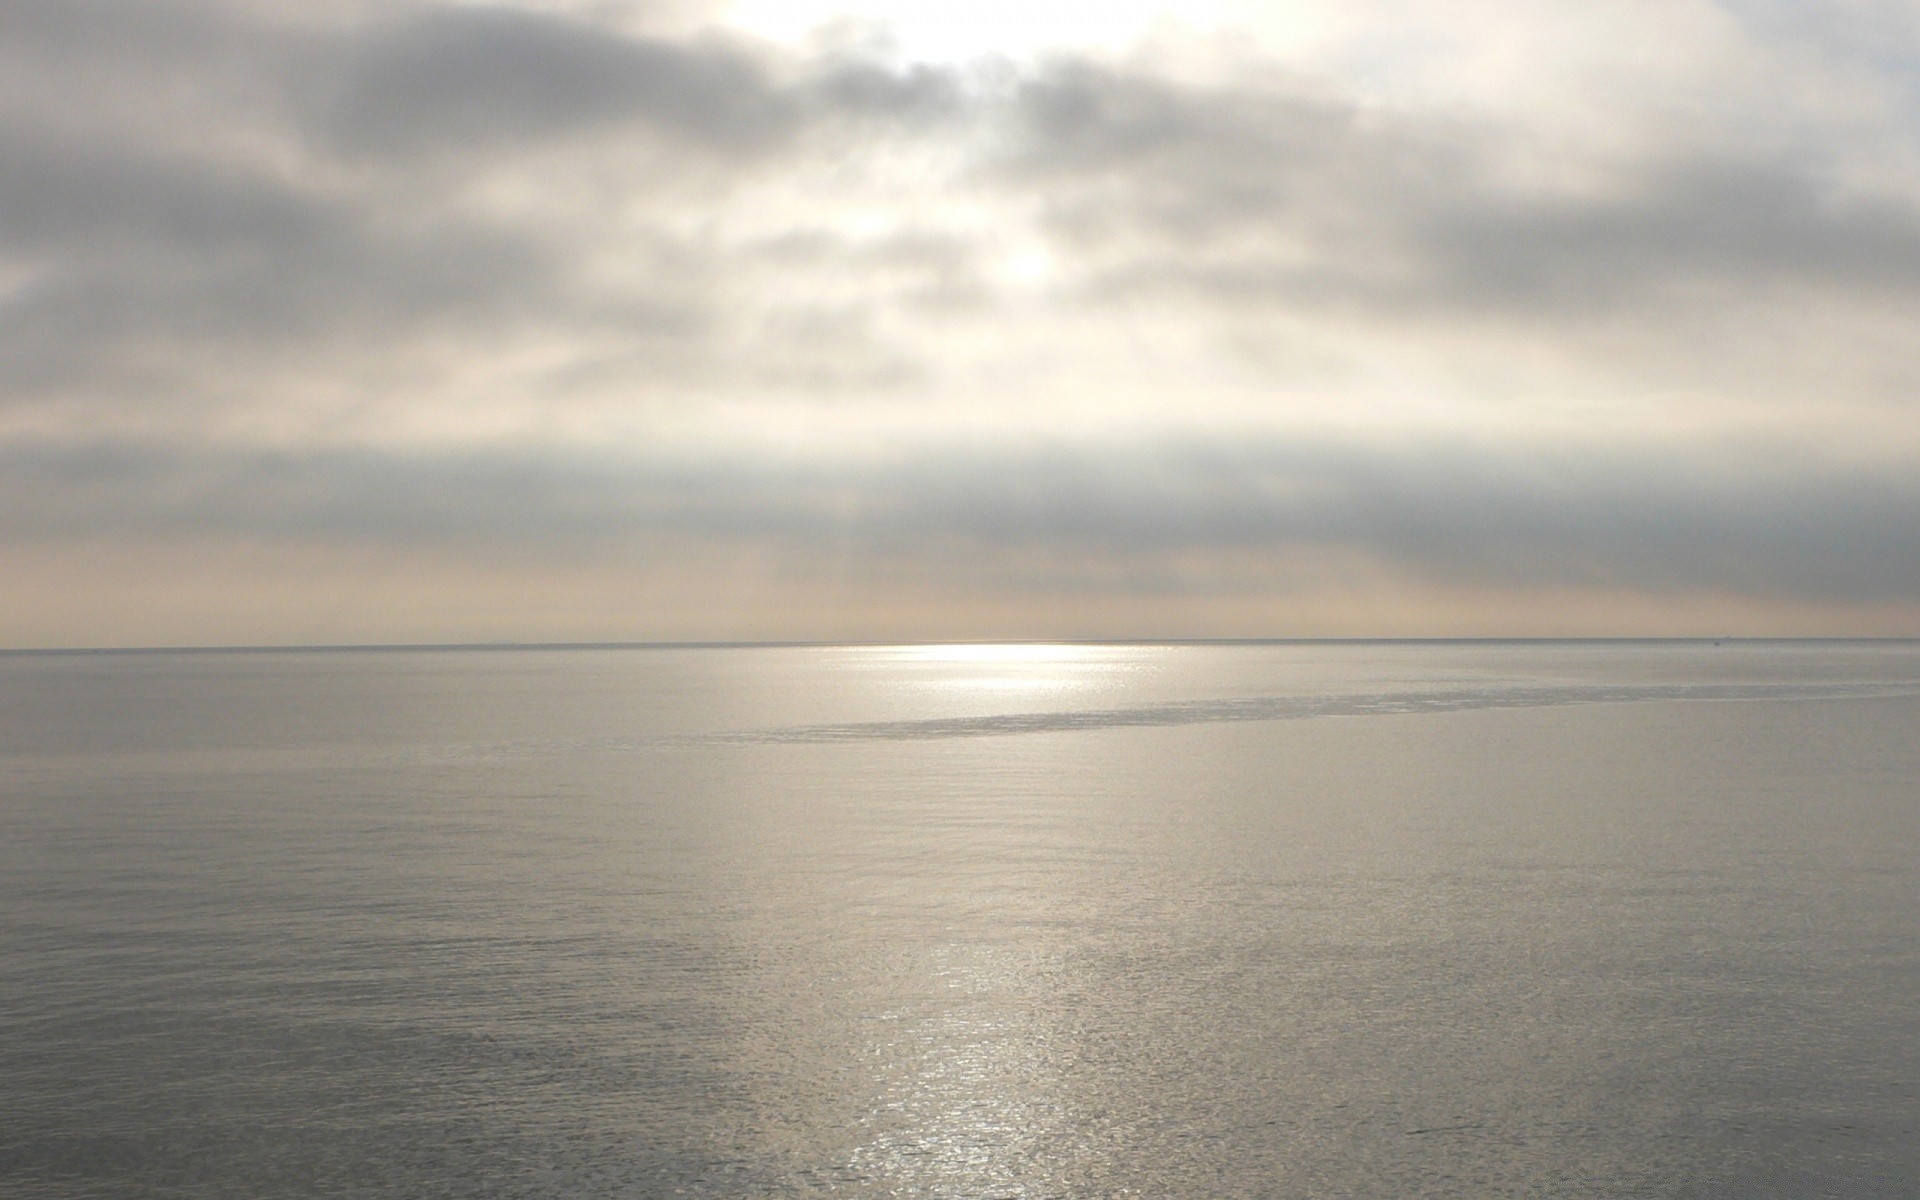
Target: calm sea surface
[1170, 921]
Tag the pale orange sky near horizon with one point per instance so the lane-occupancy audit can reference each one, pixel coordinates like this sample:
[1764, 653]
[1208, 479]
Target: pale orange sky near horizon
[326, 323]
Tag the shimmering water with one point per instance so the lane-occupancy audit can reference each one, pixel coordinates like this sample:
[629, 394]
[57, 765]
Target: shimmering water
[1175, 921]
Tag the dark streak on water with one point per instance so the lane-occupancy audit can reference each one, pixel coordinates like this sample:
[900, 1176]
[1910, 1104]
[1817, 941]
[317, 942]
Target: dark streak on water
[1168, 716]
[1288, 708]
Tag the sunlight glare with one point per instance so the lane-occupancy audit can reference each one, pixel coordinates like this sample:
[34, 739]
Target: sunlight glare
[999, 652]
[951, 33]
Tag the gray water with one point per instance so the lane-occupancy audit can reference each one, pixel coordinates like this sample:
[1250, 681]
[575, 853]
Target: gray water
[1174, 921]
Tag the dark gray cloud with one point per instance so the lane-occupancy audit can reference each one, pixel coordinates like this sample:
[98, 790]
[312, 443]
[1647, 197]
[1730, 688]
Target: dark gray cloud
[474, 79]
[130, 253]
[464, 80]
[1672, 518]
[145, 37]
[1248, 195]
[239, 242]
[1737, 225]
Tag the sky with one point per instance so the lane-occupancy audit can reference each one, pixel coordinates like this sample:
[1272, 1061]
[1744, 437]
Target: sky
[358, 322]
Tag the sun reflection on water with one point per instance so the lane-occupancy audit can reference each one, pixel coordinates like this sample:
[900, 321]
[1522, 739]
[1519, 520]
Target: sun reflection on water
[1001, 652]
[1013, 667]
[974, 1102]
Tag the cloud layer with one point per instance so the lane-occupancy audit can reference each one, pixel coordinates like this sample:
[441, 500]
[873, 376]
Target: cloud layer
[1217, 335]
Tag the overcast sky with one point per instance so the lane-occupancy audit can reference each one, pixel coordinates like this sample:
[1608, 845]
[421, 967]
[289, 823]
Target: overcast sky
[387, 321]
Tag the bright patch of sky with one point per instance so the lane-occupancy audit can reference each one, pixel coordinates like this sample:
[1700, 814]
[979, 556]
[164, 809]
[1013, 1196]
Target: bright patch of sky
[958, 34]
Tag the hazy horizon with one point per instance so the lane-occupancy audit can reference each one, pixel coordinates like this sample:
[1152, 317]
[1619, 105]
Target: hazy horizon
[955, 643]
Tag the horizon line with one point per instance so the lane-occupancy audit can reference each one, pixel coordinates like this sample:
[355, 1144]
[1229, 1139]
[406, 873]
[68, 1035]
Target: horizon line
[857, 643]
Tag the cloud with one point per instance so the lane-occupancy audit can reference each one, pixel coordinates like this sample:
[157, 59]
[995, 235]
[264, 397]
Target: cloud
[1672, 518]
[331, 203]
[473, 80]
[471, 279]
[466, 80]
[1243, 194]
[389, 182]
[129, 257]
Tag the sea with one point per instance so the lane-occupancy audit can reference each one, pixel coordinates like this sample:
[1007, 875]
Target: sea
[1307, 919]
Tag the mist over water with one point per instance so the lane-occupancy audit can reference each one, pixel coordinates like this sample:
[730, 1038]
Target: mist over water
[1261, 920]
